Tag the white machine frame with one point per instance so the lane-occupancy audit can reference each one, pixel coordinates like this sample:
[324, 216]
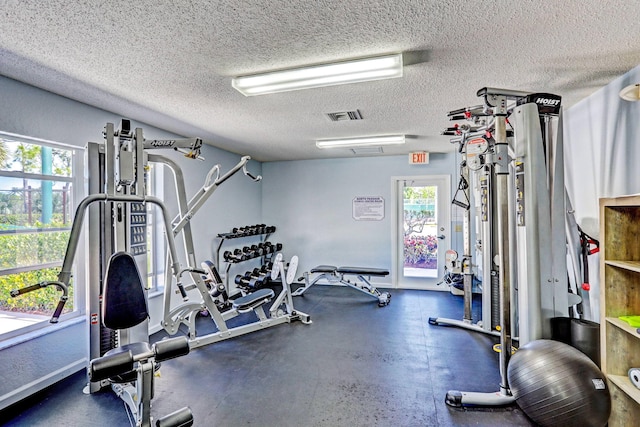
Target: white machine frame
[528, 226]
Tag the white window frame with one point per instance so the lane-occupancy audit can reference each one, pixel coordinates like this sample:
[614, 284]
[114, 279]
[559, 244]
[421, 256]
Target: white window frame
[79, 190]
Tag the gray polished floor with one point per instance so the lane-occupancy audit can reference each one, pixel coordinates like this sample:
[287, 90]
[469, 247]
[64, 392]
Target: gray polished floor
[356, 365]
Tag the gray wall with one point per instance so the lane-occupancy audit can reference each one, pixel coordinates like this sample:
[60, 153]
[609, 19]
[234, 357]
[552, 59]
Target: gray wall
[601, 135]
[310, 202]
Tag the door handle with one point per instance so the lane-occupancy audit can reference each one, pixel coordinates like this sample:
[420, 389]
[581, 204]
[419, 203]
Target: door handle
[441, 237]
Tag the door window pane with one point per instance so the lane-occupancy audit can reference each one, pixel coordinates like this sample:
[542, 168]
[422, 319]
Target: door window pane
[420, 231]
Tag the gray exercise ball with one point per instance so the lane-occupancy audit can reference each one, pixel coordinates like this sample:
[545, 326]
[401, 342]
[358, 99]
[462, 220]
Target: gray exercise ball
[557, 385]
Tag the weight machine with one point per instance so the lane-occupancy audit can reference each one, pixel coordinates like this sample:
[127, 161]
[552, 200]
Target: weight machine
[117, 217]
[523, 240]
[116, 208]
[213, 296]
[474, 142]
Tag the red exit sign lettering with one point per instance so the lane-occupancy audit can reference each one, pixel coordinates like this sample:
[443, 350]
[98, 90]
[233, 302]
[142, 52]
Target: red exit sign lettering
[419, 158]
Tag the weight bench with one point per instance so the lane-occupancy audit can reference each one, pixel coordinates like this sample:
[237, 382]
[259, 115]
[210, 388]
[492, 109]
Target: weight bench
[334, 275]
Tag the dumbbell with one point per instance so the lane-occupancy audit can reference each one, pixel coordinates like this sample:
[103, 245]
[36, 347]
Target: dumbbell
[265, 267]
[248, 282]
[241, 230]
[257, 251]
[235, 256]
[249, 252]
[260, 273]
[271, 247]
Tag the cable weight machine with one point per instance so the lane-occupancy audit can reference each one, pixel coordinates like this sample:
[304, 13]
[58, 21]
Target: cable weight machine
[474, 143]
[522, 222]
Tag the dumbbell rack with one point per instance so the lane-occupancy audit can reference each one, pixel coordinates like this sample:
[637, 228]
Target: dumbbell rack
[264, 232]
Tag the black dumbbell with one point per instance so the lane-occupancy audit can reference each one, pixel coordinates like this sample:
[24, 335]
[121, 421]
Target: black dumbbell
[249, 252]
[258, 251]
[260, 274]
[248, 282]
[235, 256]
[274, 247]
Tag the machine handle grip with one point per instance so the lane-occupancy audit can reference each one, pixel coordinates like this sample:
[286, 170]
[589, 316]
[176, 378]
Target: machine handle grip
[458, 203]
[182, 291]
[252, 176]
[58, 311]
[458, 111]
[16, 292]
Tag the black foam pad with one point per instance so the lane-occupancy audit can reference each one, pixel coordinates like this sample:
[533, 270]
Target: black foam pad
[364, 271]
[110, 365]
[124, 303]
[324, 269]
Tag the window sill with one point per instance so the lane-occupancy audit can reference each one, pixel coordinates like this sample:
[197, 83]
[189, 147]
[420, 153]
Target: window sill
[156, 293]
[43, 330]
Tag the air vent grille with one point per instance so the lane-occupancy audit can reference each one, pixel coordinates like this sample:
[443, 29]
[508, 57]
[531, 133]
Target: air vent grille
[345, 116]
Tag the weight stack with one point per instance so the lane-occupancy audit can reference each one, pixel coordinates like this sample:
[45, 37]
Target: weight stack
[581, 334]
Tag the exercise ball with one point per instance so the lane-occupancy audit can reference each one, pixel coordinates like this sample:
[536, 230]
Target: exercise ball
[557, 385]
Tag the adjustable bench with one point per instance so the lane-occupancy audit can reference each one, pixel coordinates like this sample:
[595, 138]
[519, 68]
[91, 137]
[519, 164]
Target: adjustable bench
[335, 275]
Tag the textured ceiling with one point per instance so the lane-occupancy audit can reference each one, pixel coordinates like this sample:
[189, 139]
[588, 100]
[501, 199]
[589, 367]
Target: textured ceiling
[169, 63]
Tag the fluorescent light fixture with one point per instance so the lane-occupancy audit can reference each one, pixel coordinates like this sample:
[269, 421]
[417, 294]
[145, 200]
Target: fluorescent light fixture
[359, 70]
[359, 142]
[631, 93]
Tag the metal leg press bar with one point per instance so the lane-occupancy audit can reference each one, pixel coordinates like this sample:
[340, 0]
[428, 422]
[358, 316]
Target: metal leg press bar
[335, 275]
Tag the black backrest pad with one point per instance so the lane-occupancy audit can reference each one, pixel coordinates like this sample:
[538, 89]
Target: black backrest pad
[123, 300]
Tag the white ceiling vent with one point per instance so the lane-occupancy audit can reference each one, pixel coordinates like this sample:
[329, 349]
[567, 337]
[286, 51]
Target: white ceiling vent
[366, 150]
[341, 116]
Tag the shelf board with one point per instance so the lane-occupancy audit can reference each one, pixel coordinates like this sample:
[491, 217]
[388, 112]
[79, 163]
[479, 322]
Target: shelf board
[623, 325]
[624, 384]
[627, 265]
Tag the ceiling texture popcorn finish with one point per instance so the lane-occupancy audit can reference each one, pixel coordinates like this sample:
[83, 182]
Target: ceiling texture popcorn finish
[171, 64]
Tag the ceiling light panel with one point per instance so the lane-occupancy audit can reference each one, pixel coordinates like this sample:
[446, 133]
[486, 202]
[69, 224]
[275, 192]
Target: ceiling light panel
[360, 70]
[362, 141]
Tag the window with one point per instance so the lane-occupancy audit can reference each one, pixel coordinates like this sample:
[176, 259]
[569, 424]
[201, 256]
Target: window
[37, 186]
[155, 230]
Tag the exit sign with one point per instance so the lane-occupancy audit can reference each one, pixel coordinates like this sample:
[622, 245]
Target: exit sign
[419, 158]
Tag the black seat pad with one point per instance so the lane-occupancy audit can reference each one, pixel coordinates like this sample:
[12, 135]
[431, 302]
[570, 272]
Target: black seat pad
[324, 269]
[252, 298]
[364, 271]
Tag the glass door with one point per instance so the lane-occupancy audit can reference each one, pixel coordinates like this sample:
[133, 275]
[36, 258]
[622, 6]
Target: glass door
[422, 230]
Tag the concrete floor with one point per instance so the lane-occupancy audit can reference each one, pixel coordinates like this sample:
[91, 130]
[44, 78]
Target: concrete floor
[357, 364]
